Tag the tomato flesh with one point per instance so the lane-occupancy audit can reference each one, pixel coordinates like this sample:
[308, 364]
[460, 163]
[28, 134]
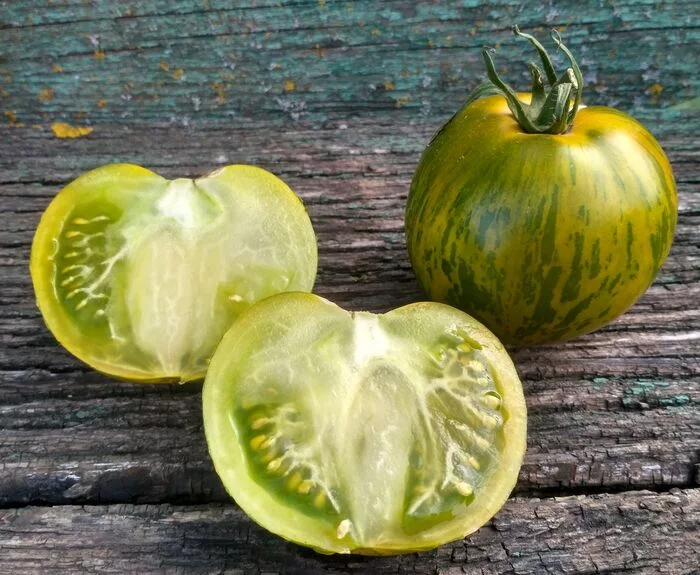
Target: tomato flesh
[355, 432]
[140, 276]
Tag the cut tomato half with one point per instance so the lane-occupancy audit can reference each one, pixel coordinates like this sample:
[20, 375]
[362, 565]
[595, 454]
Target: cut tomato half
[354, 432]
[139, 276]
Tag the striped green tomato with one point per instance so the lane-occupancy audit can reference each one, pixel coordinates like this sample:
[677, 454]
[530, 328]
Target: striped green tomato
[540, 236]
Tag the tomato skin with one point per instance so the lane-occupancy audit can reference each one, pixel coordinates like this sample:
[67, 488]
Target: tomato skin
[541, 237]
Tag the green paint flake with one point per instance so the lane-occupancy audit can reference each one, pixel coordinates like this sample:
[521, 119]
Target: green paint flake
[630, 402]
[678, 408]
[676, 400]
[645, 386]
[599, 382]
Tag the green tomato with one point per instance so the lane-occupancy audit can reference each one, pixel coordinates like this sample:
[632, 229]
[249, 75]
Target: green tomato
[139, 276]
[363, 433]
[542, 218]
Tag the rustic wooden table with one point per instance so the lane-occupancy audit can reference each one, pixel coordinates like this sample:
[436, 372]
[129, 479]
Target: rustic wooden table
[338, 98]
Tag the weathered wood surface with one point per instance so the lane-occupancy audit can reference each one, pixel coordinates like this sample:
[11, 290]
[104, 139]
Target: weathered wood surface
[638, 532]
[614, 409]
[338, 98]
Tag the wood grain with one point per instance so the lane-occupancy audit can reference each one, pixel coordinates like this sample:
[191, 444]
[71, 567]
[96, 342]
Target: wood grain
[638, 532]
[186, 61]
[615, 409]
[338, 98]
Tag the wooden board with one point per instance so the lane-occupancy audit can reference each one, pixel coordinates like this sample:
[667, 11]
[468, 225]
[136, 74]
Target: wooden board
[634, 532]
[339, 99]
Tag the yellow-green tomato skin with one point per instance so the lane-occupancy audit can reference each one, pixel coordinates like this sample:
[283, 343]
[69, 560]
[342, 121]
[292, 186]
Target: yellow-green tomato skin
[139, 276]
[541, 237]
[352, 432]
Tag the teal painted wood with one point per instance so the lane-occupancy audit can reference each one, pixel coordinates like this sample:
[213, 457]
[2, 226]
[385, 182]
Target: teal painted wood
[338, 98]
[204, 61]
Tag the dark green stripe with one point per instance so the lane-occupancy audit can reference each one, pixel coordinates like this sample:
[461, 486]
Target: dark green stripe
[572, 287]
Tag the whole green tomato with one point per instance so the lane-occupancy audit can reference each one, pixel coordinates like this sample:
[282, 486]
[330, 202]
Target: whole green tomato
[541, 217]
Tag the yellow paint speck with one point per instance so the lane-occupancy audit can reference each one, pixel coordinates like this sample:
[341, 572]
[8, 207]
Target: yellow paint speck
[46, 95]
[220, 90]
[164, 66]
[321, 4]
[177, 74]
[11, 117]
[402, 101]
[57, 69]
[389, 86]
[656, 89]
[289, 86]
[99, 55]
[62, 130]
[101, 103]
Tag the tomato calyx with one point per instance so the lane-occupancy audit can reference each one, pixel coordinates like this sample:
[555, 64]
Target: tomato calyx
[550, 111]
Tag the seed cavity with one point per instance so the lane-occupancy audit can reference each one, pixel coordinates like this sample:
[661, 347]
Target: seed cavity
[275, 464]
[492, 400]
[305, 486]
[84, 221]
[320, 500]
[457, 439]
[82, 269]
[343, 528]
[257, 441]
[287, 452]
[259, 423]
[464, 489]
[81, 304]
[294, 481]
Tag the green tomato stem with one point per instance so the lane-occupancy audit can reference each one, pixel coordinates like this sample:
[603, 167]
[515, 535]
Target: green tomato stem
[550, 111]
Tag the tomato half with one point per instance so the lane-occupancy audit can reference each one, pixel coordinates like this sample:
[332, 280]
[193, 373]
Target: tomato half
[541, 236]
[139, 276]
[354, 432]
